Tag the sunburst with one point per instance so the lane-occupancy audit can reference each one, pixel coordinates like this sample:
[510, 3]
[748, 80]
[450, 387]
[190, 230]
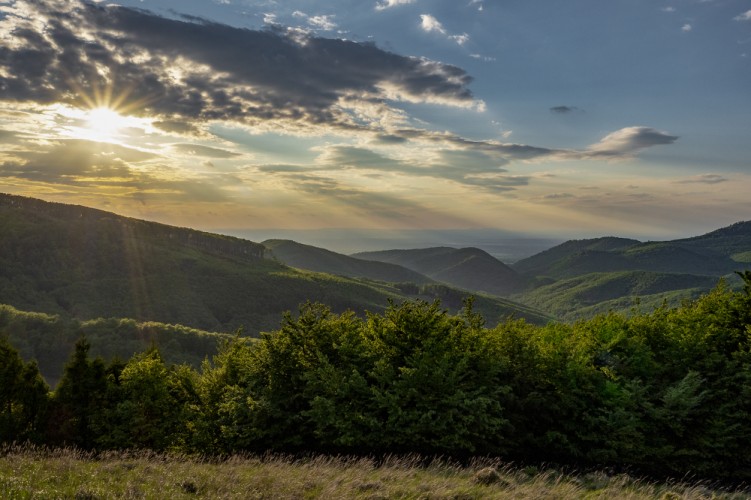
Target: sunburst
[104, 115]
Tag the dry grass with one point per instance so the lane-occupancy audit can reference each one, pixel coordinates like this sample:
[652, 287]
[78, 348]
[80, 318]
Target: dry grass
[65, 473]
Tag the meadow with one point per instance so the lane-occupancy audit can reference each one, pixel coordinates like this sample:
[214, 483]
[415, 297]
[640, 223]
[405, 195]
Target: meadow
[31, 472]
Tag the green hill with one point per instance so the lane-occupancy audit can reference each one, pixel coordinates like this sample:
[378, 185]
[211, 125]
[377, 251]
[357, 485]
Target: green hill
[85, 263]
[82, 263]
[468, 268]
[713, 254]
[589, 294]
[727, 241]
[50, 339]
[583, 277]
[548, 261]
[321, 260]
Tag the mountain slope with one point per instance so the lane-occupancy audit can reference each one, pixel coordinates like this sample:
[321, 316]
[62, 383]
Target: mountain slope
[580, 296]
[467, 268]
[84, 263]
[715, 254]
[728, 241]
[541, 263]
[321, 260]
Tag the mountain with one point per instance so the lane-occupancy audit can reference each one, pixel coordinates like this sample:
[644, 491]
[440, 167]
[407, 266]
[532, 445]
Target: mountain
[714, 254]
[321, 260]
[83, 263]
[583, 277]
[589, 294]
[733, 241]
[468, 268]
[557, 256]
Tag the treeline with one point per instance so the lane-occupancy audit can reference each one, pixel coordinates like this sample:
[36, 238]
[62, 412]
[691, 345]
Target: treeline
[667, 392]
[50, 339]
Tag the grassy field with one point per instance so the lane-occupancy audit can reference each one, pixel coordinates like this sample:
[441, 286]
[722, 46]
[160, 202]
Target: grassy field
[37, 473]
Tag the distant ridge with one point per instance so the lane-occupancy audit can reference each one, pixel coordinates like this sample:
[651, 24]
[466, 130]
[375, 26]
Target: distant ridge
[467, 268]
[317, 259]
[579, 278]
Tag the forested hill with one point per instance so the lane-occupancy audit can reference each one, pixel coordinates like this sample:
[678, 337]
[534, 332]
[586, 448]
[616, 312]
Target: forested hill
[84, 263]
[85, 227]
[313, 258]
[713, 254]
[468, 268]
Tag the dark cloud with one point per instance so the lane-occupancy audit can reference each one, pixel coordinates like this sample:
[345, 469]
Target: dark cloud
[198, 150]
[705, 179]
[558, 196]
[390, 139]
[178, 127]
[562, 110]
[199, 70]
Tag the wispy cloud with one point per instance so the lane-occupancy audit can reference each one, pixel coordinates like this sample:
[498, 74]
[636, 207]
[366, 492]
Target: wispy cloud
[746, 16]
[629, 141]
[387, 4]
[430, 24]
[562, 110]
[686, 28]
[704, 179]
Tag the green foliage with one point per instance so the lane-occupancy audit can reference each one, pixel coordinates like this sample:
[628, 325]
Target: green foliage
[666, 392]
[50, 340]
[79, 399]
[148, 405]
[23, 397]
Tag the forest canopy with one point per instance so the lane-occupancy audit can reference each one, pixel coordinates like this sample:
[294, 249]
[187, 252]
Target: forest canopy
[665, 392]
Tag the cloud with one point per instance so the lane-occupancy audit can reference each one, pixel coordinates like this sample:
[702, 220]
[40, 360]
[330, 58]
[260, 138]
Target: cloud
[429, 24]
[387, 4]
[178, 127]
[96, 166]
[705, 179]
[320, 22]
[197, 150]
[686, 28]
[199, 71]
[668, 9]
[628, 141]
[469, 168]
[746, 16]
[73, 161]
[558, 196]
[562, 110]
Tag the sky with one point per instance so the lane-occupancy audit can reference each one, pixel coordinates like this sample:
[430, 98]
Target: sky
[542, 118]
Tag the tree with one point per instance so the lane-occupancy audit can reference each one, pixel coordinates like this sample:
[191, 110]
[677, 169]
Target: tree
[23, 397]
[79, 399]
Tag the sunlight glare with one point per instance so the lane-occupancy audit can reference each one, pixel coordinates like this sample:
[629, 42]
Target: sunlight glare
[104, 122]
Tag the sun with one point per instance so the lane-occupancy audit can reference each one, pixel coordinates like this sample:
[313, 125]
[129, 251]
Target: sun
[104, 122]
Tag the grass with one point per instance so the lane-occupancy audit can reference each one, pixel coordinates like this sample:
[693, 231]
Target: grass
[27, 472]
